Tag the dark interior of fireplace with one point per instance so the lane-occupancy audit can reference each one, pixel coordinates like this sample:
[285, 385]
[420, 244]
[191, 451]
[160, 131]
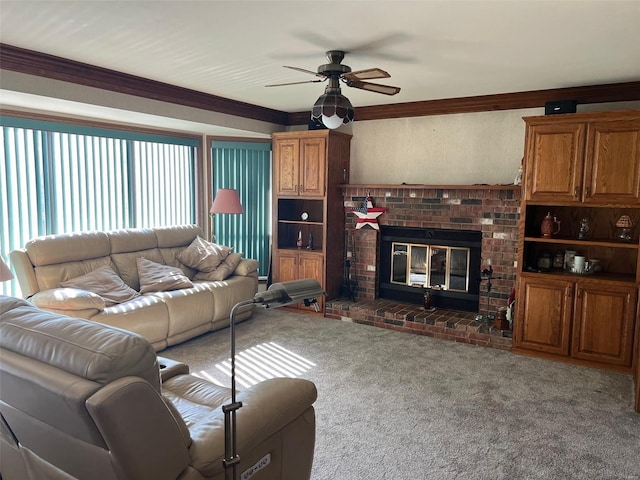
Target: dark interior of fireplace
[454, 283]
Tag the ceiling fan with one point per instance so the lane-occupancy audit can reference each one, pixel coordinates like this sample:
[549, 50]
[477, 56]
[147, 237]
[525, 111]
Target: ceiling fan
[335, 70]
[333, 108]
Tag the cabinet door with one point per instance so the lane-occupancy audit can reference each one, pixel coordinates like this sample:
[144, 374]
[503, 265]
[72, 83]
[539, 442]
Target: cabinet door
[286, 165]
[311, 266]
[554, 161]
[287, 267]
[612, 163]
[604, 323]
[544, 315]
[312, 166]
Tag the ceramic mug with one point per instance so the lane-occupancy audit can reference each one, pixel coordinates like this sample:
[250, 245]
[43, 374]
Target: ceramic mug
[579, 264]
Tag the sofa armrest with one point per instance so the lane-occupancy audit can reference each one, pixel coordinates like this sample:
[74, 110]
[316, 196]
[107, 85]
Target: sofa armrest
[171, 368]
[246, 267]
[25, 274]
[267, 408]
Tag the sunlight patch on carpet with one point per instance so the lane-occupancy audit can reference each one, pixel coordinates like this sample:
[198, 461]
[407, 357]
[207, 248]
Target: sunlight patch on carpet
[263, 361]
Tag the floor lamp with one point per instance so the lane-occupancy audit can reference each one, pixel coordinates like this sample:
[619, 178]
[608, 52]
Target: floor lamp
[277, 295]
[225, 201]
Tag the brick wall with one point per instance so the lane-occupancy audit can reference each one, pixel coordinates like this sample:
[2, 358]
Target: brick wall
[494, 211]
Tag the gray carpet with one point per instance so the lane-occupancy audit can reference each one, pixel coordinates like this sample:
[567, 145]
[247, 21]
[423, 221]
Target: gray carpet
[399, 406]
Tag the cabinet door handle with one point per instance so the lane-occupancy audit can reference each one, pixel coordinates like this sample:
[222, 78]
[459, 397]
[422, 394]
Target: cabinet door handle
[579, 293]
[569, 292]
[587, 192]
[576, 191]
[295, 188]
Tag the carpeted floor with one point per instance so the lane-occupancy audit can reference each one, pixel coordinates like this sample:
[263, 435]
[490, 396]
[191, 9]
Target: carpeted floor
[397, 406]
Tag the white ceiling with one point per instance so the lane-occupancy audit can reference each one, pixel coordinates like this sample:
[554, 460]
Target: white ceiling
[432, 49]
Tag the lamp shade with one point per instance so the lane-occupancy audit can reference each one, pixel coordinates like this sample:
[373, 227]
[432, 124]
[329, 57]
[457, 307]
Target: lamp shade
[5, 271]
[226, 201]
[333, 109]
[624, 222]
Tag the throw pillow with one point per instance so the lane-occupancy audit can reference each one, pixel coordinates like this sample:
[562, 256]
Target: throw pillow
[67, 299]
[155, 277]
[202, 255]
[103, 281]
[225, 269]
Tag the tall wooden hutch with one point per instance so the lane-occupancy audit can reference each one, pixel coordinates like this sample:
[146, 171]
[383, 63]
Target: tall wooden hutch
[583, 169]
[308, 211]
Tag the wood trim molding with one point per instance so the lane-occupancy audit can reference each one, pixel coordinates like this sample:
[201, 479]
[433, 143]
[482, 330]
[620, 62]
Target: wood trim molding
[57, 68]
[615, 92]
[40, 64]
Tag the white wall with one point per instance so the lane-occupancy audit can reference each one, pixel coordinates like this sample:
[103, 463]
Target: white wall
[462, 149]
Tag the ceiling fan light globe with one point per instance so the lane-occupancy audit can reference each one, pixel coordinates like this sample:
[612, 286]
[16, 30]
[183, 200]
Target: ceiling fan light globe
[332, 122]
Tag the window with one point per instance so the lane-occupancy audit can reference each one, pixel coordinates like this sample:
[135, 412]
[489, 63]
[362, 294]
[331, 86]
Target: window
[59, 178]
[246, 167]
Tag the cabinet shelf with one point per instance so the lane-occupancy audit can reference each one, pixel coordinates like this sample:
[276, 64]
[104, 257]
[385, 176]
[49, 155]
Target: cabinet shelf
[300, 222]
[586, 243]
[574, 277]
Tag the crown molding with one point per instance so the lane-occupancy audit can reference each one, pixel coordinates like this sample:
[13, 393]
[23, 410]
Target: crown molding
[43, 65]
[614, 92]
[57, 68]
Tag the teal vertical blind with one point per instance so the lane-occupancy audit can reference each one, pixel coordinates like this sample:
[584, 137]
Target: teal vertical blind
[246, 167]
[58, 178]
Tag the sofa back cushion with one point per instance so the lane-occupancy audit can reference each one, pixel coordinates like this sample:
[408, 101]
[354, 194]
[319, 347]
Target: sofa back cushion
[57, 258]
[126, 246]
[93, 351]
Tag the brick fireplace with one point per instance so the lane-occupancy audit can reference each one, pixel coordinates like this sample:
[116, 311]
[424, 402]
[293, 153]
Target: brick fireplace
[493, 210]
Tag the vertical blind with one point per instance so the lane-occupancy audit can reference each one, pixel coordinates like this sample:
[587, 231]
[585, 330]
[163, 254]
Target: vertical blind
[246, 167]
[58, 178]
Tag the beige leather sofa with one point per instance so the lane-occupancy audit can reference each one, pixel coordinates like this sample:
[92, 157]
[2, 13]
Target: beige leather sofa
[85, 400]
[165, 317]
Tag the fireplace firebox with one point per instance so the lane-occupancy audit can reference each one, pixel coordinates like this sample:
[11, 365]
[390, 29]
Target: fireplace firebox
[447, 262]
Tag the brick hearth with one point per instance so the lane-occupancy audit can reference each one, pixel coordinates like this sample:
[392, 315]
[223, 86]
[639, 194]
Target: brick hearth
[493, 210]
[451, 325]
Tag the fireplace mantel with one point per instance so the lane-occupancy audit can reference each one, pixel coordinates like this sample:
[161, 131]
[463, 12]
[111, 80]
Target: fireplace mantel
[419, 186]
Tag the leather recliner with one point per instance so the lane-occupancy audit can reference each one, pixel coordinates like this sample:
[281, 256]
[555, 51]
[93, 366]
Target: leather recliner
[85, 400]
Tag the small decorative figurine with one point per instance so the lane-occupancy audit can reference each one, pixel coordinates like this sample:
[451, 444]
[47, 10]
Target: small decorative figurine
[310, 245]
[427, 301]
[299, 242]
[583, 233]
[550, 226]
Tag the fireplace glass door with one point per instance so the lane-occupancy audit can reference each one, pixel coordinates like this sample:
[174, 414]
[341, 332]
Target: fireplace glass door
[430, 266]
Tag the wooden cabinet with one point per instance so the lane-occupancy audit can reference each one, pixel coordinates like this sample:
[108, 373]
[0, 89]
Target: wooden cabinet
[586, 320]
[583, 169]
[603, 323]
[583, 158]
[294, 266]
[300, 166]
[307, 169]
[544, 321]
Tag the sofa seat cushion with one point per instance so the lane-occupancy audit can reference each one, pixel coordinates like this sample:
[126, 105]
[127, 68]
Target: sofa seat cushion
[155, 277]
[103, 281]
[229, 292]
[190, 310]
[203, 256]
[145, 315]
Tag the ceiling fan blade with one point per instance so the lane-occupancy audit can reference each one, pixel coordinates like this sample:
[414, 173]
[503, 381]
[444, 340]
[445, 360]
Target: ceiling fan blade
[294, 83]
[374, 87]
[303, 70]
[368, 74]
